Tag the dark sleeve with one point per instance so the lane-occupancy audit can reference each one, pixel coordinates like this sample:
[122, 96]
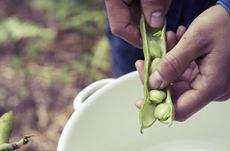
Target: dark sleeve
[225, 4]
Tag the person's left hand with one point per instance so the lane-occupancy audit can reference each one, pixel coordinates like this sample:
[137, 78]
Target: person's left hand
[124, 17]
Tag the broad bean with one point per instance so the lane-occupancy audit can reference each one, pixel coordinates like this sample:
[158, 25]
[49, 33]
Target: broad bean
[157, 96]
[162, 112]
[154, 64]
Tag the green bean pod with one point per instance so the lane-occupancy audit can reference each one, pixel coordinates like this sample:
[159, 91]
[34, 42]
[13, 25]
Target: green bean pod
[6, 147]
[6, 126]
[154, 47]
[147, 115]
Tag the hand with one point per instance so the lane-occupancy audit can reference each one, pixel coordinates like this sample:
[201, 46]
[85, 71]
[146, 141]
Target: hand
[124, 17]
[198, 66]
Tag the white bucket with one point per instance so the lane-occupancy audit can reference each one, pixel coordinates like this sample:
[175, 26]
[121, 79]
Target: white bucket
[106, 119]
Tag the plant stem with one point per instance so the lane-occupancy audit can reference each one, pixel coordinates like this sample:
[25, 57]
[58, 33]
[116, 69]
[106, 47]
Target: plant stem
[16, 145]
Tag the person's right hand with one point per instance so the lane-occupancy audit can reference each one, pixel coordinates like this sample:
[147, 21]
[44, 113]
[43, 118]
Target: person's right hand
[197, 68]
[124, 17]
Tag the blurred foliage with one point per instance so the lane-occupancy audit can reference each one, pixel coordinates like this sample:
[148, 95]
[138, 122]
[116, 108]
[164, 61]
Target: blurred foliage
[84, 15]
[12, 29]
[95, 61]
[50, 50]
[100, 55]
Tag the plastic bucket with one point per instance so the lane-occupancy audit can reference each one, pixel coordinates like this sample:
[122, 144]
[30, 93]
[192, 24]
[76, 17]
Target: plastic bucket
[106, 119]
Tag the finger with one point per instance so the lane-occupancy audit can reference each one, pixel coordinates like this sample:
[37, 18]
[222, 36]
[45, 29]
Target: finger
[224, 97]
[189, 103]
[140, 68]
[190, 73]
[139, 104]
[171, 38]
[194, 73]
[175, 62]
[180, 31]
[126, 26]
[178, 88]
[155, 11]
[186, 75]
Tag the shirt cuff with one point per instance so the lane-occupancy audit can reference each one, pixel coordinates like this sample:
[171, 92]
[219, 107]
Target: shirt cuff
[225, 4]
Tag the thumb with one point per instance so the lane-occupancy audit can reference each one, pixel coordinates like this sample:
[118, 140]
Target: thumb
[176, 61]
[155, 11]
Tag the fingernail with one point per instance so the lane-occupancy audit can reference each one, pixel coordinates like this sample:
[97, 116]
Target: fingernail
[157, 19]
[155, 80]
[139, 104]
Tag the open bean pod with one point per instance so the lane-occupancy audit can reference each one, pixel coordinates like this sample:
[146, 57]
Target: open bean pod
[6, 126]
[157, 103]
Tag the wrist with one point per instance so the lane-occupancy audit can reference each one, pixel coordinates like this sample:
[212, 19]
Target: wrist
[225, 4]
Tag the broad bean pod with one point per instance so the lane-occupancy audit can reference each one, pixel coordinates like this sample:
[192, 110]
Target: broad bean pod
[157, 103]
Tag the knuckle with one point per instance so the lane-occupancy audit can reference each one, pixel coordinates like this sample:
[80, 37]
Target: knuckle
[129, 34]
[180, 115]
[180, 118]
[172, 64]
[116, 30]
[200, 39]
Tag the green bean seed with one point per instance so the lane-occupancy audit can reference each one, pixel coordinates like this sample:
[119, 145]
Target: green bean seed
[162, 112]
[156, 49]
[154, 64]
[157, 96]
